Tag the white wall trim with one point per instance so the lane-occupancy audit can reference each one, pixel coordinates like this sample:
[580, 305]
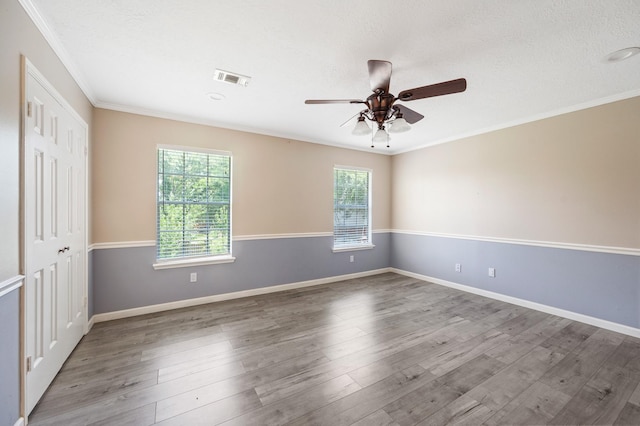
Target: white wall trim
[151, 243]
[348, 168]
[91, 323]
[19, 422]
[188, 149]
[191, 262]
[364, 147]
[58, 49]
[381, 231]
[568, 246]
[122, 244]
[31, 70]
[608, 325]
[126, 313]
[77, 75]
[280, 236]
[528, 119]
[213, 123]
[7, 286]
[342, 249]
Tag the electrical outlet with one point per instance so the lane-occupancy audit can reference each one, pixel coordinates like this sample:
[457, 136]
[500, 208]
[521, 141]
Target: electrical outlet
[194, 277]
[492, 272]
[458, 267]
[352, 258]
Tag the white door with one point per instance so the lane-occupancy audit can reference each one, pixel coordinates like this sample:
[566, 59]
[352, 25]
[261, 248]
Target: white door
[54, 206]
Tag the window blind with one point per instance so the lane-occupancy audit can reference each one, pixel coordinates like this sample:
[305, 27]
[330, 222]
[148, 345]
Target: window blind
[351, 207]
[193, 204]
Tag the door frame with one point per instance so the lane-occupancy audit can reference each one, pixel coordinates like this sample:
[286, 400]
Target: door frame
[28, 69]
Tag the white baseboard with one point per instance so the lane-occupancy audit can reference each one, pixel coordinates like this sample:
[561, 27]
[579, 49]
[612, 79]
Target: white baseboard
[90, 324]
[19, 422]
[608, 325]
[126, 313]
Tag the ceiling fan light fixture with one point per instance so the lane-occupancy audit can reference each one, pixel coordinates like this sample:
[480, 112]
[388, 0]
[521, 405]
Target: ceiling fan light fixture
[381, 135]
[399, 125]
[361, 128]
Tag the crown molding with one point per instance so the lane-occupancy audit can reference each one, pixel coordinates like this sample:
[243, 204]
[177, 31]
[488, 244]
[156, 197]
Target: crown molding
[528, 119]
[53, 41]
[79, 78]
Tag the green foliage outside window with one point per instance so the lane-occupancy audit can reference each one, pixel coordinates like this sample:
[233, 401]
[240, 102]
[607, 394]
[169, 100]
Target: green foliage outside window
[351, 207]
[193, 204]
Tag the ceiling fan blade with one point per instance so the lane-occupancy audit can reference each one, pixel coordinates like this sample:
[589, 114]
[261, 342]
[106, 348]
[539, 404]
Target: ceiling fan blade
[333, 101]
[410, 115]
[379, 75]
[439, 89]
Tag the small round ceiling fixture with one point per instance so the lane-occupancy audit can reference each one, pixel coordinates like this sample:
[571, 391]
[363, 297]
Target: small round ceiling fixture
[215, 96]
[622, 54]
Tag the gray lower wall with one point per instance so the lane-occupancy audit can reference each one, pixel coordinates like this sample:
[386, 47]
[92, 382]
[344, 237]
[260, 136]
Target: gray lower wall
[600, 285]
[90, 309]
[123, 278]
[9, 358]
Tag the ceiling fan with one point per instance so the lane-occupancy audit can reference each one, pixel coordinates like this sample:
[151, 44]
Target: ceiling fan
[381, 108]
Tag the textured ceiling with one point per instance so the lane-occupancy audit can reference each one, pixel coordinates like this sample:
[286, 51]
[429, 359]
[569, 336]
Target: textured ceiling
[522, 60]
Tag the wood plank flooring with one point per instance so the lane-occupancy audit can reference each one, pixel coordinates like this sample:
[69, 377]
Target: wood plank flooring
[381, 350]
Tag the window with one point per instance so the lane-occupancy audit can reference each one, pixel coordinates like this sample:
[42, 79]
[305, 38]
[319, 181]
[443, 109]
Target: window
[193, 204]
[351, 208]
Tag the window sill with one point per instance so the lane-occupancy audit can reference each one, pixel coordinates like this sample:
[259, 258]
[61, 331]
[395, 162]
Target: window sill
[353, 248]
[198, 261]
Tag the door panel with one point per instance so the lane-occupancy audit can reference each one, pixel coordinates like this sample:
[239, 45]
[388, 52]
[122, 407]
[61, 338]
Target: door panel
[54, 234]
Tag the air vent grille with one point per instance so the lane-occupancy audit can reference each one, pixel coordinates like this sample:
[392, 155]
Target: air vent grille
[231, 77]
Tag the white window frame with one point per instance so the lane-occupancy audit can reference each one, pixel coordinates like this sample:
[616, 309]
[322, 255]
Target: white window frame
[353, 247]
[182, 262]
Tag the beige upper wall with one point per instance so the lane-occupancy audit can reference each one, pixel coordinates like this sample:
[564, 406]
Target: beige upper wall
[573, 178]
[280, 186]
[18, 35]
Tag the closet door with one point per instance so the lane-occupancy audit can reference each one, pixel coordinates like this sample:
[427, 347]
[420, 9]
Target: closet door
[54, 197]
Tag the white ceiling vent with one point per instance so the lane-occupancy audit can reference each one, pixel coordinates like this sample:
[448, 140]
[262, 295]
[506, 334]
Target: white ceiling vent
[232, 78]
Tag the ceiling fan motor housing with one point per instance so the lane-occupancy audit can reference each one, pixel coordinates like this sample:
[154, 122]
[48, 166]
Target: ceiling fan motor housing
[380, 106]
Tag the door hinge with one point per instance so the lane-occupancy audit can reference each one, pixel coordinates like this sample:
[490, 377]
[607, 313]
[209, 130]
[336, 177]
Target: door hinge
[29, 109]
[29, 366]
[86, 301]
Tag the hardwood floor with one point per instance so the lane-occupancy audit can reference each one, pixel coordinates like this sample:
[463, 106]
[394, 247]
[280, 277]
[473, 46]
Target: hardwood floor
[381, 350]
